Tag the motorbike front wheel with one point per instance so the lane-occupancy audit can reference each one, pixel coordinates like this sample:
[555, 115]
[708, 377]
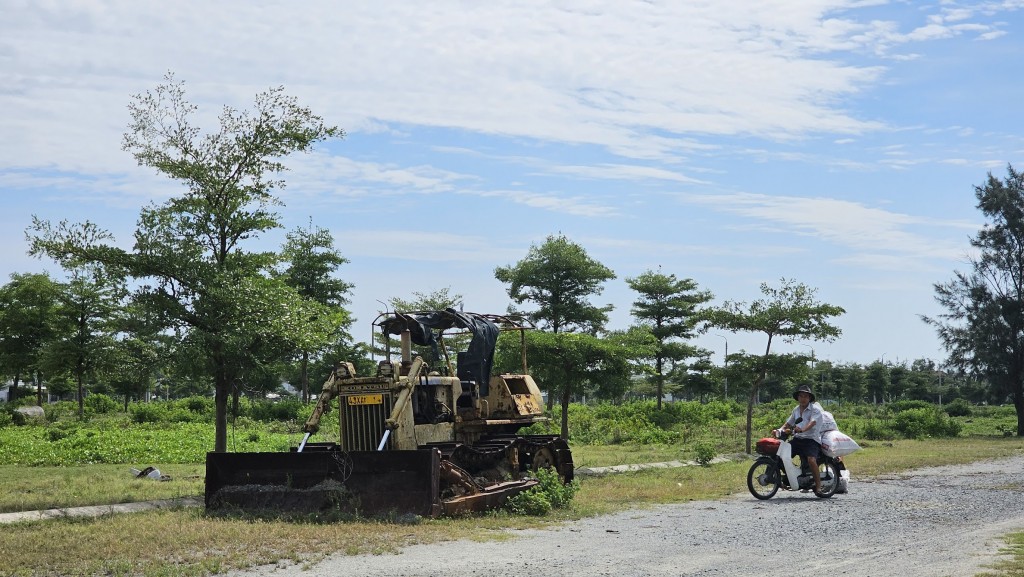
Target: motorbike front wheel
[829, 479]
[763, 479]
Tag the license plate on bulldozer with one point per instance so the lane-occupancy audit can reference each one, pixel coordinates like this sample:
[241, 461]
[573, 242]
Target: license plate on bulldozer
[366, 399]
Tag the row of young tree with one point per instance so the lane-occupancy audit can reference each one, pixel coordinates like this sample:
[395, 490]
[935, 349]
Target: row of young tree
[190, 303]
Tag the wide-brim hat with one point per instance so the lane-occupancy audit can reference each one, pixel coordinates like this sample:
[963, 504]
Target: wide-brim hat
[803, 389]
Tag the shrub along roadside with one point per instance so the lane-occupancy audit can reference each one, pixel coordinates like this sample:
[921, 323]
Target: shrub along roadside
[550, 494]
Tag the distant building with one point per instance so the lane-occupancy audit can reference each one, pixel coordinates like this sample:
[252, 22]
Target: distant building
[26, 389]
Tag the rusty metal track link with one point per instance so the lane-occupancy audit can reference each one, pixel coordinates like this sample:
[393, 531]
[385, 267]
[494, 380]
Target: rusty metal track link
[492, 452]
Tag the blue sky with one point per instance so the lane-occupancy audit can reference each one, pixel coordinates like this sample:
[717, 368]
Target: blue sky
[837, 143]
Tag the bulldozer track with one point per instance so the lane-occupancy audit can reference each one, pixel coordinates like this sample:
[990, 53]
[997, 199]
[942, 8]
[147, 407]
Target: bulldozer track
[493, 452]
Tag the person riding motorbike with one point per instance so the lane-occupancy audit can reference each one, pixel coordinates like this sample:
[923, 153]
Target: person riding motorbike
[804, 423]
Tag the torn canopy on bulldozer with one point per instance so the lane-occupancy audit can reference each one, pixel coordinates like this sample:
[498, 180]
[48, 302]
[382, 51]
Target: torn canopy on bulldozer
[477, 360]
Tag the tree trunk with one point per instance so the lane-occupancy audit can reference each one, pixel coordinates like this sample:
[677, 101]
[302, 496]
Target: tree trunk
[750, 414]
[222, 388]
[565, 413]
[12, 393]
[1018, 404]
[304, 377]
[750, 408]
[220, 439]
[81, 394]
[661, 380]
[235, 390]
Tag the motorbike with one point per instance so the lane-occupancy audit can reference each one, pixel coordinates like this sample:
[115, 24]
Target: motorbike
[775, 469]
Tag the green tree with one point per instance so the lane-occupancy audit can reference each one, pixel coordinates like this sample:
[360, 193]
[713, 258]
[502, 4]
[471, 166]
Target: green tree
[899, 381]
[668, 306]
[790, 312]
[312, 261]
[438, 300]
[853, 382]
[559, 278]
[877, 375]
[84, 343]
[696, 379]
[141, 350]
[982, 328]
[28, 306]
[189, 254]
[578, 361]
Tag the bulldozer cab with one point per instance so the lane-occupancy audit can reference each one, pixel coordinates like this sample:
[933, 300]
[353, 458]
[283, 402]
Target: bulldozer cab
[462, 345]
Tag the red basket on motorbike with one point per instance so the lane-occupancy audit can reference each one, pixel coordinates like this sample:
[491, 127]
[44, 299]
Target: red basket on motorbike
[768, 446]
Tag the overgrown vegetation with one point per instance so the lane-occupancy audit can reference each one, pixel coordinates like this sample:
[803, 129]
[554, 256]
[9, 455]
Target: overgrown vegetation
[181, 431]
[550, 494]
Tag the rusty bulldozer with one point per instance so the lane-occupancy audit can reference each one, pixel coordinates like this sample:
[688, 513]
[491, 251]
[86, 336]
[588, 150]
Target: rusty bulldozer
[414, 439]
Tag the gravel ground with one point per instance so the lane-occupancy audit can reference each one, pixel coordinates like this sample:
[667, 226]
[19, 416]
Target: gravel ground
[943, 521]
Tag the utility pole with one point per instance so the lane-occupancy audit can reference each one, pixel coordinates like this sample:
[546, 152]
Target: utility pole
[726, 368]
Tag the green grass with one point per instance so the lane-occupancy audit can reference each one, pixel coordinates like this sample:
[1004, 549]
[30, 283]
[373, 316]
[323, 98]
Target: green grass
[36, 488]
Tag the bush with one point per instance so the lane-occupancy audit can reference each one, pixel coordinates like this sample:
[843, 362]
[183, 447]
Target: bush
[550, 494]
[921, 423]
[148, 412]
[531, 502]
[59, 410]
[958, 408]
[60, 431]
[901, 406]
[283, 410]
[705, 453]
[198, 405]
[873, 430]
[100, 404]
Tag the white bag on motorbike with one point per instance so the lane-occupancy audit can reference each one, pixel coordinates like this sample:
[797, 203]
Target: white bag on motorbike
[828, 421]
[836, 444]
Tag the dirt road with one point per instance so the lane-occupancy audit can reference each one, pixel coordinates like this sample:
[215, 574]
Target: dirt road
[935, 522]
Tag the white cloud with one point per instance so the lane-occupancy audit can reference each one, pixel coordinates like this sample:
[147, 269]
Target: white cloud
[844, 223]
[576, 205]
[625, 172]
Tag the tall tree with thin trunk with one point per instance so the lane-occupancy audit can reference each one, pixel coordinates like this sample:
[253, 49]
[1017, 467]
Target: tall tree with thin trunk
[559, 278]
[790, 312]
[312, 262]
[982, 329]
[669, 307]
[190, 255]
[28, 306]
[89, 305]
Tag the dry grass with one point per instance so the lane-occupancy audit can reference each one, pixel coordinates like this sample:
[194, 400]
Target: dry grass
[1011, 564]
[606, 455]
[186, 542]
[892, 457]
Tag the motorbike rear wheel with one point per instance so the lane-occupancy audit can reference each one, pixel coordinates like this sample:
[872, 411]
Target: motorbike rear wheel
[829, 478]
[763, 479]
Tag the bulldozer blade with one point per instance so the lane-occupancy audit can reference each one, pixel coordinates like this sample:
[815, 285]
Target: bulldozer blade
[491, 497]
[365, 483]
